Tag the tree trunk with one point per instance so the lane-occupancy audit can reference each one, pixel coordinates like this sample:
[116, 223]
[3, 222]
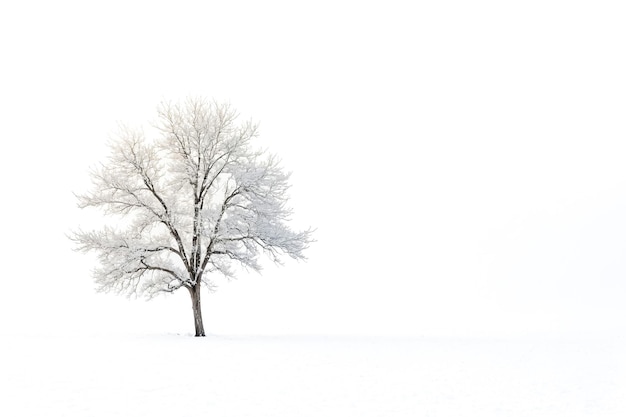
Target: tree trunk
[197, 310]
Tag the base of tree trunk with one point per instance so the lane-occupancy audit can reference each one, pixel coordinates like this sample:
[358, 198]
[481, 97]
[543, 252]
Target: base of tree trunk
[197, 311]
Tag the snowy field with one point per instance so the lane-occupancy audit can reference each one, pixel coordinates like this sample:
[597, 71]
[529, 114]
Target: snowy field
[178, 375]
[462, 163]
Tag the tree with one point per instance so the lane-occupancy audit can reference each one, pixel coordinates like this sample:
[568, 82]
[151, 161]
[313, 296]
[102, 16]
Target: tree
[196, 200]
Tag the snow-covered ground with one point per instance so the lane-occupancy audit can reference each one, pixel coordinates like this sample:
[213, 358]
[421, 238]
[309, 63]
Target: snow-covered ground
[178, 375]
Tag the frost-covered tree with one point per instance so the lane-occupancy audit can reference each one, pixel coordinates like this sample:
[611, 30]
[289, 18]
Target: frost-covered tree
[197, 200]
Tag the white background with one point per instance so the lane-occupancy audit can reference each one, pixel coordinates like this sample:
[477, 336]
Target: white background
[463, 162]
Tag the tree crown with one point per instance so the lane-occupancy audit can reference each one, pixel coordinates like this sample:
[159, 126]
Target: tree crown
[197, 199]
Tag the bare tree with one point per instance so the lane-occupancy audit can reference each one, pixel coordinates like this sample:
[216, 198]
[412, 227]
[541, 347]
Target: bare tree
[197, 200]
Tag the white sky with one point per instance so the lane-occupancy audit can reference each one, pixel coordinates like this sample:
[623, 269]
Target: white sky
[463, 162]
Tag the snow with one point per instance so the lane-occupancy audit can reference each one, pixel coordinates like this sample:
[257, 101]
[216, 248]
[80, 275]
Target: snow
[167, 375]
[463, 163]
